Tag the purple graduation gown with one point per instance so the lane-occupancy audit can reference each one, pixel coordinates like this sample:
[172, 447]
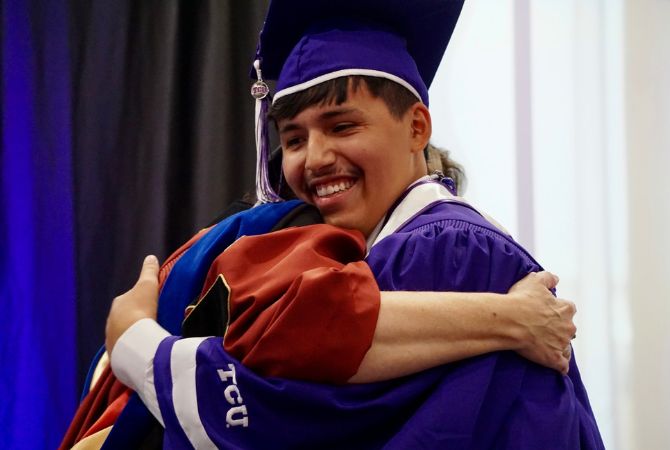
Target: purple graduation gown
[495, 401]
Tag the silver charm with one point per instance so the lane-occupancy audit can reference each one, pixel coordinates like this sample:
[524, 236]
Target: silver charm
[259, 90]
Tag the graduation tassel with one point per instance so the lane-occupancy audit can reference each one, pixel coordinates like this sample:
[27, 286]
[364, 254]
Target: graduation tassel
[260, 91]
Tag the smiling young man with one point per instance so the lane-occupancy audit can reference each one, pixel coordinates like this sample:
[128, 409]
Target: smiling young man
[353, 160]
[351, 111]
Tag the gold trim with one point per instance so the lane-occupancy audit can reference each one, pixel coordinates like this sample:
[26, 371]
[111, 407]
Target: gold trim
[102, 365]
[225, 283]
[94, 441]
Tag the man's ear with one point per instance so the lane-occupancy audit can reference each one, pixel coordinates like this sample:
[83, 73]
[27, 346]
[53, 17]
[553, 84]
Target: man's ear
[422, 126]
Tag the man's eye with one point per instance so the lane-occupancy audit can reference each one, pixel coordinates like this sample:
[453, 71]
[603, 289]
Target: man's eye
[293, 142]
[340, 127]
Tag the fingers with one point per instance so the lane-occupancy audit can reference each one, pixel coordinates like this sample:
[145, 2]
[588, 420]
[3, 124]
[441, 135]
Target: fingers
[150, 268]
[532, 284]
[560, 362]
[139, 302]
[548, 279]
[567, 353]
[565, 360]
[566, 308]
[564, 328]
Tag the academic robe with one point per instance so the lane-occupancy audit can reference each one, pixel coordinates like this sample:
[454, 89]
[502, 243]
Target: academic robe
[209, 399]
[110, 402]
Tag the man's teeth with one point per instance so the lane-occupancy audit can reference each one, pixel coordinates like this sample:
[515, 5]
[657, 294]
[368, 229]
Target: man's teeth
[330, 189]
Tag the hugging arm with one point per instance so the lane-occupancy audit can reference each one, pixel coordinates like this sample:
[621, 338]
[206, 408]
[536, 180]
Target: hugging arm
[396, 333]
[420, 330]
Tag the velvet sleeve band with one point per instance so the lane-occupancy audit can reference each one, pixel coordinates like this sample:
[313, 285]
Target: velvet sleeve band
[302, 303]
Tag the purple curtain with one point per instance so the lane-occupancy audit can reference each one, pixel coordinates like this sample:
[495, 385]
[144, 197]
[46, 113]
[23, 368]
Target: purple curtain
[126, 126]
[37, 277]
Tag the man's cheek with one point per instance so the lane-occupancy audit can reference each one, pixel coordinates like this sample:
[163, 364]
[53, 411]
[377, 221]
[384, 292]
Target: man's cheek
[293, 179]
[298, 187]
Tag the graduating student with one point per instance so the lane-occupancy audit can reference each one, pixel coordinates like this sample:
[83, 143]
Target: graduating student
[351, 109]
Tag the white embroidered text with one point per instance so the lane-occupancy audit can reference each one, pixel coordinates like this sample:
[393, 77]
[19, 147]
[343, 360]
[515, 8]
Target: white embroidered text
[237, 415]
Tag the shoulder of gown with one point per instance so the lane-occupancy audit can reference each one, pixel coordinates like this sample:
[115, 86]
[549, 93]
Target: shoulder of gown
[449, 247]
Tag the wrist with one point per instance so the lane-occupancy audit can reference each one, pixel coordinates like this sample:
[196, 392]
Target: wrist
[509, 324]
[119, 324]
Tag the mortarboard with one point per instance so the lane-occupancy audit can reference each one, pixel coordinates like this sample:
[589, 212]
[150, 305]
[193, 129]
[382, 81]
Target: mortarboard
[306, 42]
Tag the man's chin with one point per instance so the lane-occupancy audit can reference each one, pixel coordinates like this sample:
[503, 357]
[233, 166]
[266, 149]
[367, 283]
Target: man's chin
[337, 220]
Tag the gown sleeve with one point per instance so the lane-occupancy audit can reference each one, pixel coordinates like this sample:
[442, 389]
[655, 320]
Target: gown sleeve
[450, 255]
[302, 303]
[537, 404]
[105, 400]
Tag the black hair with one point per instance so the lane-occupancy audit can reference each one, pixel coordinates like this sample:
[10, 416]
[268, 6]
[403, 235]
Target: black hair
[397, 98]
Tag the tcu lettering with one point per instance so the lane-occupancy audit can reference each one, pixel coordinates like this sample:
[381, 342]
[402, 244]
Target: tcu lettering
[237, 415]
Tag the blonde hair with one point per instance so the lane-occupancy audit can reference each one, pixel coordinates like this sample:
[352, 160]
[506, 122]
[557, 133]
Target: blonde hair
[439, 160]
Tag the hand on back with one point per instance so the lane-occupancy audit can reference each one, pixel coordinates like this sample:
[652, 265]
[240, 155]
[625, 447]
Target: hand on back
[546, 321]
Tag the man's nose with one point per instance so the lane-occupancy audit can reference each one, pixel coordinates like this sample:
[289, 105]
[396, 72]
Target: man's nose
[320, 154]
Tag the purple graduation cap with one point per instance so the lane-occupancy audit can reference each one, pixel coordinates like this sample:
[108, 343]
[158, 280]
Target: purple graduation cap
[307, 42]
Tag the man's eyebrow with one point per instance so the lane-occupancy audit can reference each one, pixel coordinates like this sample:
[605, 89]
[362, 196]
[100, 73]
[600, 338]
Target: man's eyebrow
[291, 126]
[336, 112]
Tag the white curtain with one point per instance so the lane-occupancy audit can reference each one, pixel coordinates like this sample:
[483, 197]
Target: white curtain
[560, 113]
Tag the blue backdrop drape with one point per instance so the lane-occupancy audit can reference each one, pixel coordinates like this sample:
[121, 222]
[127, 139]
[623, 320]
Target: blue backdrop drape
[112, 147]
[37, 281]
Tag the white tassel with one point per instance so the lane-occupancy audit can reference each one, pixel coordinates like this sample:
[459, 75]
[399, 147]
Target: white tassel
[260, 90]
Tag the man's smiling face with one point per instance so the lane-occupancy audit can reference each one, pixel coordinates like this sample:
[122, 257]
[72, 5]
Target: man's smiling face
[353, 160]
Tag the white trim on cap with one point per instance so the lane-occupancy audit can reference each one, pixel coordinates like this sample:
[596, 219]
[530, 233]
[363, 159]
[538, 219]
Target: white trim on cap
[345, 73]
